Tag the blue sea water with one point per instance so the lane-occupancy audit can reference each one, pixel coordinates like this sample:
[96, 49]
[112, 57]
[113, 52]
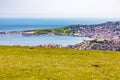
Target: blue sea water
[13, 24]
[18, 24]
[39, 39]
[26, 27]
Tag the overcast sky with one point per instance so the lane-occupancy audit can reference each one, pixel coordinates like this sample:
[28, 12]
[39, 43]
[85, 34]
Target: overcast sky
[60, 8]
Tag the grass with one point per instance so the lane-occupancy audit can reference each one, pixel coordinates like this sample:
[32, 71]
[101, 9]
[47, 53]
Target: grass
[63, 30]
[25, 63]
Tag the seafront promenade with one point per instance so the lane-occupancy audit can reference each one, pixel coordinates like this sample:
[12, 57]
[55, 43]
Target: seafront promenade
[19, 32]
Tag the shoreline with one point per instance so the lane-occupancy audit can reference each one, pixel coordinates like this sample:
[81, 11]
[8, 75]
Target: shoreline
[32, 32]
[108, 30]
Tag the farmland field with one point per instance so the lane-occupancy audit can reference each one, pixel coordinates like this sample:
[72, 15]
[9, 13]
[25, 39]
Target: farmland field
[33, 63]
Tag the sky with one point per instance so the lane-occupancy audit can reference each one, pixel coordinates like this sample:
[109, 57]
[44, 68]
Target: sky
[59, 8]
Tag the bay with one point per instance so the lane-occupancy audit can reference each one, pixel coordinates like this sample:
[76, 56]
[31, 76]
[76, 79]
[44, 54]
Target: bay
[39, 39]
[20, 24]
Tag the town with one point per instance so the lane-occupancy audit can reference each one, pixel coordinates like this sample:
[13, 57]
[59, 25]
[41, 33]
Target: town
[108, 31]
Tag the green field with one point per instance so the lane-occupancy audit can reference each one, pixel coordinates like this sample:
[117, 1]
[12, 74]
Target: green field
[25, 63]
[62, 31]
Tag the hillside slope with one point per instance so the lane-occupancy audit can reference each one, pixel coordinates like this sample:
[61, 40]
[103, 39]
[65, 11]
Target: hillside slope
[32, 63]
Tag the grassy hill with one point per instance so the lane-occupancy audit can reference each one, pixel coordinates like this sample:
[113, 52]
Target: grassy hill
[57, 31]
[25, 63]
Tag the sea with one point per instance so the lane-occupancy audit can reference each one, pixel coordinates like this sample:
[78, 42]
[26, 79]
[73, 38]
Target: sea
[20, 24]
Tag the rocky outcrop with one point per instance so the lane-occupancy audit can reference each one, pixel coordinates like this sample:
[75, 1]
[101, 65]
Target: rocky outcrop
[99, 45]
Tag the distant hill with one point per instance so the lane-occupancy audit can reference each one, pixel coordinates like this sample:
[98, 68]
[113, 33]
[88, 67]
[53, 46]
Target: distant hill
[104, 30]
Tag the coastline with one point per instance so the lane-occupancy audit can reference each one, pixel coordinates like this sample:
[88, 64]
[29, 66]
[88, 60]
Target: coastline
[32, 32]
[108, 30]
[100, 34]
